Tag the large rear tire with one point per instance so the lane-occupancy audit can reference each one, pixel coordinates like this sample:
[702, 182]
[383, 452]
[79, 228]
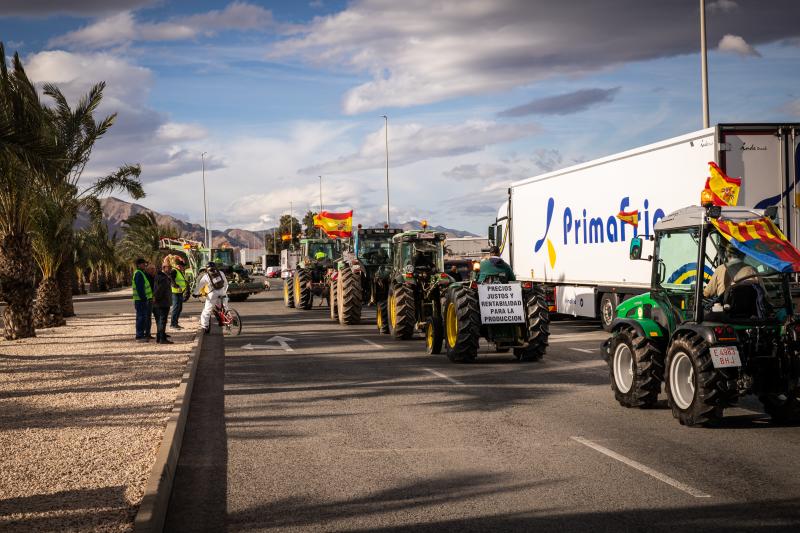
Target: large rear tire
[538, 324]
[462, 326]
[332, 300]
[350, 296]
[302, 289]
[382, 317]
[692, 382]
[288, 292]
[636, 368]
[401, 312]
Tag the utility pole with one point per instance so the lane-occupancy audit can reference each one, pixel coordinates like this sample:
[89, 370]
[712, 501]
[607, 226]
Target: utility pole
[274, 244]
[291, 225]
[386, 128]
[320, 194]
[205, 202]
[704, 62]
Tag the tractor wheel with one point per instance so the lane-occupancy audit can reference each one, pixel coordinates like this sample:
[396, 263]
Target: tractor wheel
[434, 335]
[332, 300]
[782, 408]
[636, 368]
[692, 382]
[608, 308]
[349, 294]
[537, 317]
[302, 290]
[401, 312]
[288, 292]
[462, 324]
[382, 317]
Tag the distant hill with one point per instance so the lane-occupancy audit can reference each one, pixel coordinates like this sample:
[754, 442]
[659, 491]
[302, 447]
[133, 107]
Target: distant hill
[115, 211]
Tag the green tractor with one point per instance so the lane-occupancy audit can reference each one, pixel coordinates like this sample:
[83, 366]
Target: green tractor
[361, 276]
[308, 279]
[416, 286]
[744, 338]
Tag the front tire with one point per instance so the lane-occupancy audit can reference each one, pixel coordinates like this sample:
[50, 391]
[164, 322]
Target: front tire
[434, 335]
[382, 317]
[235, 323]
[288, 292]
[350, 296]
[333, 301]
[401, 312]
[636, 368]
[692, 391]
[537, 317]
[462, 324]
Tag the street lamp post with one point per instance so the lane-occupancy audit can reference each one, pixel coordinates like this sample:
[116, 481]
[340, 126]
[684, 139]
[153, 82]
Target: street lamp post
[704, 62]
[320, 194]
[386, 128]
[205, 203]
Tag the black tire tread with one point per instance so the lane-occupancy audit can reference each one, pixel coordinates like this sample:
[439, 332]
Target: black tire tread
[350, 296]
[538, 324]
[469, 324]
[649, 370]
[289, 288]
[304, 299]
[404, 300]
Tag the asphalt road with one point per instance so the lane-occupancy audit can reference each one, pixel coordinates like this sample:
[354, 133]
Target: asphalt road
[342, 429]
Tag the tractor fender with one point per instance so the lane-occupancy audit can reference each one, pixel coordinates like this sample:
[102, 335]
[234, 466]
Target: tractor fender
[646, 327]
[702, 331]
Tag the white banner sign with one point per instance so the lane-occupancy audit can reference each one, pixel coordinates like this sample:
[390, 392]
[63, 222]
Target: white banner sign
[501, 303]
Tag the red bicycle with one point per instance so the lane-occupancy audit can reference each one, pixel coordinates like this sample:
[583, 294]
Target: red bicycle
[228, 319]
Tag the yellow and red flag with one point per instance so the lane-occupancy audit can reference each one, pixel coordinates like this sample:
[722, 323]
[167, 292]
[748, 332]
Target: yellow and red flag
[724, 189]
[763, 240]
[335, 224]
[629, 217]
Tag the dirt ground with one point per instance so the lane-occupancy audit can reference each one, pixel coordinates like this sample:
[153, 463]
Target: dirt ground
[82, 412]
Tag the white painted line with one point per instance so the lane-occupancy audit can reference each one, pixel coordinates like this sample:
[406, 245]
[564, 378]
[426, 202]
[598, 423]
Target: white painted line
[375, 344]
[585, 350]
[443, 376]
[642, 468]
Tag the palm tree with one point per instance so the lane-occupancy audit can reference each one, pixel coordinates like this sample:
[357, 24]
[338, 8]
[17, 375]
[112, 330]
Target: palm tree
[142, 236]
[75, 131]
[26, 153]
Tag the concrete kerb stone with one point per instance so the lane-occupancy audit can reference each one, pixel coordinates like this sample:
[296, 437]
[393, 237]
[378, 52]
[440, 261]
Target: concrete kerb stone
[153, 509]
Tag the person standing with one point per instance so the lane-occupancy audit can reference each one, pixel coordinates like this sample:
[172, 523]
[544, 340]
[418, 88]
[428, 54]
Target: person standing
[150, 272]
[178, 289]
[162, 292]
[142, 299]
[214, 286]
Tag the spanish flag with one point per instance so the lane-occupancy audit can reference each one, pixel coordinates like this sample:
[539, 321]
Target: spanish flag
[629, 217]
[335, 224]
[724, 189]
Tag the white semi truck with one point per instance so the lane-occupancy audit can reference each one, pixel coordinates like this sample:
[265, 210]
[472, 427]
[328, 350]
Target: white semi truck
[561, 229]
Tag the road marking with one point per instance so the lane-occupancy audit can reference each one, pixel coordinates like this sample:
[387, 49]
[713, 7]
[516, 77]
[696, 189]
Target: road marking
[642, 468]
[375, 344]
[585, 350]
[283, 343]
[443, 376]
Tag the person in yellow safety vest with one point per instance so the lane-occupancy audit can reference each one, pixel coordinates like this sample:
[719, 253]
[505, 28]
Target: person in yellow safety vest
[142, 301]
[178, 290]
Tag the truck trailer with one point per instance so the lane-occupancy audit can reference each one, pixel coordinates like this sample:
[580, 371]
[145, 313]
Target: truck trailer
[561, 228]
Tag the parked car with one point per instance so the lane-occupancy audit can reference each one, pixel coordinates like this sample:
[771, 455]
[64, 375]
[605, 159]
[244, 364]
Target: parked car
[273, 271]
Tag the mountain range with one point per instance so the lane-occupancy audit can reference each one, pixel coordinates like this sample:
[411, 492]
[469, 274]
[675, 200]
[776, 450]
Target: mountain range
[115, 211]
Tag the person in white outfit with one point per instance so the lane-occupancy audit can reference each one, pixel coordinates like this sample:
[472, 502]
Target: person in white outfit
[214, 286]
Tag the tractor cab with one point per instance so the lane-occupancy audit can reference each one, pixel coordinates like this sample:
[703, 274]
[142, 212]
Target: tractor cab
[318, 252]
[419, 253]
[373, 246]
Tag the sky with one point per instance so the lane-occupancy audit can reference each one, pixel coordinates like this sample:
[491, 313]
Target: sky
[478, 93]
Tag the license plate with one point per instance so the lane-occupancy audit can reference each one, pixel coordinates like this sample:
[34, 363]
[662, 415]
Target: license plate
[725, 356]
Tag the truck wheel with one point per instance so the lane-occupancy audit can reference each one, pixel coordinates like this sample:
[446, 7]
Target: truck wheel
[349, 296]
[462, 324]
[608, 310]
[692, 391]
[782, 408]
[382, 317]
[434, 335]
[636, 368]
[288, 292]
[333, 301]
[401, 312]
[302, 290]
[537, 317]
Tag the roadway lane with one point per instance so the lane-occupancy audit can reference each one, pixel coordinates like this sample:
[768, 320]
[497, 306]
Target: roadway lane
[345, 429]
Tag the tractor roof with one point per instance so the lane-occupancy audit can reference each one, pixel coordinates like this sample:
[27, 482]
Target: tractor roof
[317, 241]
[695, 216]
[379, 231]
[418, 235]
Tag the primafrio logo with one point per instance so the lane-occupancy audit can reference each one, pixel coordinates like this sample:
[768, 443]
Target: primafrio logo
[581, 228]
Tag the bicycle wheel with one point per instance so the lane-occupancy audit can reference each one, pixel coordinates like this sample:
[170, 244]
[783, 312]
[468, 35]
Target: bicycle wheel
[233, 323]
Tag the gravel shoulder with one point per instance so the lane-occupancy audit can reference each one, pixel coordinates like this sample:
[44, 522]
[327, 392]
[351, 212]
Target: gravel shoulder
[82, 413]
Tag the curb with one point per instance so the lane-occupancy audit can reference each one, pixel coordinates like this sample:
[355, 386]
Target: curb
[153, 509]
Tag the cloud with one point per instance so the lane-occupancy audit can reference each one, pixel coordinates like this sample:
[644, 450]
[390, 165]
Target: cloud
[563, 104]
[140, 134]
[547, 159]
[123, 27]
[410, 143]
[477, 171]
[736, 45]
[47, 8]
[418, 51]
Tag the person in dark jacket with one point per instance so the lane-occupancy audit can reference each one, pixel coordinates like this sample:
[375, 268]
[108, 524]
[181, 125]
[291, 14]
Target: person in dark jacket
[162, 294]
[142, 300]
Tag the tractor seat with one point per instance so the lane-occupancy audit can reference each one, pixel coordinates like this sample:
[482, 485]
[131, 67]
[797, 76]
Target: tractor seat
[742, 301]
